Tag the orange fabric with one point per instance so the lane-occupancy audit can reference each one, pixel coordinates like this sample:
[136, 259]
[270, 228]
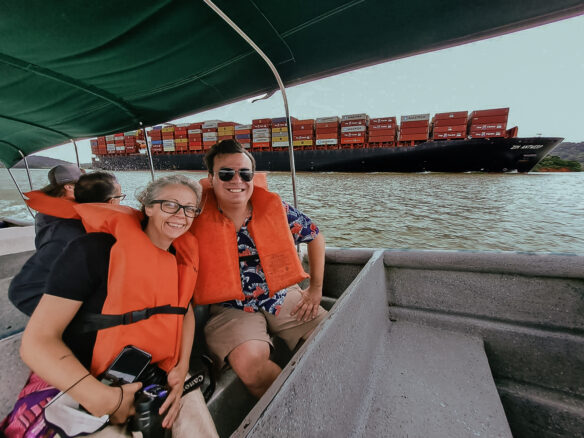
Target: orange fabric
[58, 207]
[141, 276]
[219, 275]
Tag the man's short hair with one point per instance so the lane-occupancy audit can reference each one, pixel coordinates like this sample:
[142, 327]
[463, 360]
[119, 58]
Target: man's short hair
[95, 187]
[226, 147]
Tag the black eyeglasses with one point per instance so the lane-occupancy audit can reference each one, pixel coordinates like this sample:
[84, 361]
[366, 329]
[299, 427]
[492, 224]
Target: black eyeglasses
[120, 197]
[227, 174]
[173, 207]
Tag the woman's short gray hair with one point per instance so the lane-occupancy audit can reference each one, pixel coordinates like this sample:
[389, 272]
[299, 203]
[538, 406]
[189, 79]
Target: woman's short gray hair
[149, 194]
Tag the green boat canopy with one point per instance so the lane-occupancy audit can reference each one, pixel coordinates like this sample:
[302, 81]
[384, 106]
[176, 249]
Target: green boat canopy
[77, 69]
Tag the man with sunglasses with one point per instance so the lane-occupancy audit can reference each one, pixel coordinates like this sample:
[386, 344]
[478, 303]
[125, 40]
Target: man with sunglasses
[249, 267]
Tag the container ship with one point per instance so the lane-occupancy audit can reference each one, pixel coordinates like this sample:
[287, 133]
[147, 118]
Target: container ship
[447, 142]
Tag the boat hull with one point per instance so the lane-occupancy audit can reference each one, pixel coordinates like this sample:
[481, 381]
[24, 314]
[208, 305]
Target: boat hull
[480, 155]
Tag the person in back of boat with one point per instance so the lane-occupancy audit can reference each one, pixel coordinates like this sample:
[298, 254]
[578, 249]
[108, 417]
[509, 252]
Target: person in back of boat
[249, 265]
[129, 281]
[55, 225]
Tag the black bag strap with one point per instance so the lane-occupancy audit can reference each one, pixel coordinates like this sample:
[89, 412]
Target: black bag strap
[90, 322]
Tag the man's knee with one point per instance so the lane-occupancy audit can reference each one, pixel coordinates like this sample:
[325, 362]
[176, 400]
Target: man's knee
[249, 358]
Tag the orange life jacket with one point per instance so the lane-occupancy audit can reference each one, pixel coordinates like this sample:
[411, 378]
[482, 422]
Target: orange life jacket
[141, 276]
[58, 207]
[219, 274]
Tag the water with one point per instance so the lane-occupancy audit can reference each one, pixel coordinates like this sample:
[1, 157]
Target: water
[506, 212]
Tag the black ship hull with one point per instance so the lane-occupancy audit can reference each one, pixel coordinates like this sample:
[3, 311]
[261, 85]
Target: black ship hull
[469, 155]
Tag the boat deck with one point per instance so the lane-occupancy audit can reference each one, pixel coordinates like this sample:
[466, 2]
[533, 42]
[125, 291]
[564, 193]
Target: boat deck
[417, 343]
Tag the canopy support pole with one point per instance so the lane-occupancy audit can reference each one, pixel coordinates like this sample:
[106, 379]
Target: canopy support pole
[280, 84]
[148, 151]
[20, 191]
[76, 152]
[27, 169]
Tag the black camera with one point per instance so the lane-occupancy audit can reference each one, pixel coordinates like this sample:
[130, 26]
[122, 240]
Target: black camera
[147, 419]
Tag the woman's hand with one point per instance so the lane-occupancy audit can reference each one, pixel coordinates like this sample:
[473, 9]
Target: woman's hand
[124, 407]
[176, 379]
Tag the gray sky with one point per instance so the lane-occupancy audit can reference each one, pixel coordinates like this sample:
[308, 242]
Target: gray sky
[538, 73]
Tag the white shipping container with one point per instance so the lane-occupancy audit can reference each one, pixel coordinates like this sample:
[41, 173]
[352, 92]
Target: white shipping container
[354, 117]
[327, 120]
[242, 127]
[109, 137]
[208, 136]
[210, 124]
[262, 139]
[357, 128]
[120, 148]
[195, 131]
[326, 141]
[413, 117]
[262, 131]
[277, 144]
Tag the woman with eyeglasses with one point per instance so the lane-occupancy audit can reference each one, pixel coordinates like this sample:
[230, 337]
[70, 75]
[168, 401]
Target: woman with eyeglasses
[129, 281]
[249, 265]
[56, 225]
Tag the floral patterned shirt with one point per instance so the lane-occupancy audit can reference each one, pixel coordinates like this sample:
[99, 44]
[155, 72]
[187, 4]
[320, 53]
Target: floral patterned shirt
[253, 279]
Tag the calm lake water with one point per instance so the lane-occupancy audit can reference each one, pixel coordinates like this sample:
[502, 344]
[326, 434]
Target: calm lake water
[502, 212]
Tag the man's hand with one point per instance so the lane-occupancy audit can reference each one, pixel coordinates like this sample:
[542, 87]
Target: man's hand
[307, 307]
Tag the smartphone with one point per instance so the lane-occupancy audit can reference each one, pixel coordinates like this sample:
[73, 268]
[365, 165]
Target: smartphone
[127, 366]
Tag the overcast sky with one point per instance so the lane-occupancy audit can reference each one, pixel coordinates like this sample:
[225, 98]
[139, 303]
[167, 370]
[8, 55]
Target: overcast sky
[537, 73]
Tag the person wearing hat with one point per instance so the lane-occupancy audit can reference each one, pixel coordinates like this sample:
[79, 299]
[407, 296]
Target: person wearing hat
[57, 224]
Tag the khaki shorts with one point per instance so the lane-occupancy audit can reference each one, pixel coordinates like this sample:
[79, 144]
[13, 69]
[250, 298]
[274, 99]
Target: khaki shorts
[228, 327]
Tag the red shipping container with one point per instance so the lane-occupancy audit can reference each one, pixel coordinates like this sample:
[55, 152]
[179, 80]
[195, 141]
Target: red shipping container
[488, 126]
[490, 112]
[195, 126]
[449, 116]
[446, 135]
[263, 144]
[411, 137]
[303, 131]
[225, 137]
[408, 130]
[352, 134]
[302, 127]
[358, 122]
[415, 124]
[331, 130]
[261, 121]
[327, 125]
[303, 122]
[302, 137]
[488, 119]
[261, 125]
[326, 136]
[382, 127]
[484, 134]
[382, 120]
[223, 124]
[441, 129]
[451, 122]
[353, 140]
[209, 130]
[381, 139]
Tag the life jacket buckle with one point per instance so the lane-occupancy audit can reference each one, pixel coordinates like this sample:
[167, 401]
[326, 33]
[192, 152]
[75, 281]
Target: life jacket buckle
[136, 315]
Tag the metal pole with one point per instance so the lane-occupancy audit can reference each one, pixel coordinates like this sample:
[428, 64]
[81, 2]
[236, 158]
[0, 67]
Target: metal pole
[149, 152]
[280, 84]
[19, 191]
[76, 152]
[27, 168]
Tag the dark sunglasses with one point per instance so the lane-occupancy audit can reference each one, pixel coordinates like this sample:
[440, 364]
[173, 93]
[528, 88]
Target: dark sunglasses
[172, 207]
[227, 174]
[120, 197]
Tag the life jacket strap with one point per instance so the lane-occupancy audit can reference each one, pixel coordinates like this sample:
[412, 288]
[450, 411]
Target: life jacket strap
[91, 322]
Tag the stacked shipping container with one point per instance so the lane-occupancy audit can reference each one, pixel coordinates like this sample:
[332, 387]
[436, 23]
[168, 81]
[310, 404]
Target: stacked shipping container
[488, 123]
[327, 132]
[349, 131]
[446, 126]
[354, 129]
